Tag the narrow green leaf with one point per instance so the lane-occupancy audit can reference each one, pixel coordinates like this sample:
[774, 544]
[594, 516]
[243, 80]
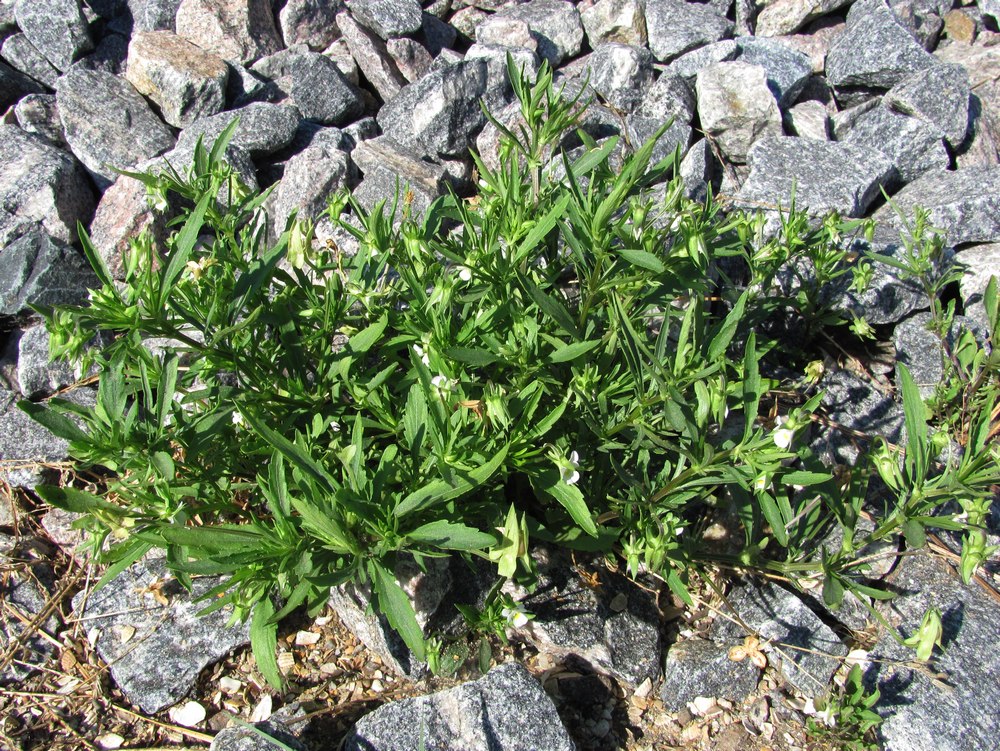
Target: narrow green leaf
[264, 641]
[365, 339]
[470, 356]
[751, 387]
[643, 259]
[77, 501]
[916, 424]
[568, 496]
[59, 425]
[291, 451]
[801, 477]
[213, 538]
[166, 388]
[769, 507]
[452, 536]
[322, 525]
[398, 610]
[224, 139]
[125, 555]
[727, 330]
[415, 417]
[94, 257]
[187, 238]
[551, 307]
[573, 350]
[542, 228]
[440, 491]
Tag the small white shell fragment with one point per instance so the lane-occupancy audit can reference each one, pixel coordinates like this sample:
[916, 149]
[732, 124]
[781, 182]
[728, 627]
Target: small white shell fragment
[323, 620]
[92, 636]
[306, 638]
[643, 689]
[110, 740]
[230, 685]
[262, 712]
[125, 633]
[188, 714]
[286, 661]
[702, 705]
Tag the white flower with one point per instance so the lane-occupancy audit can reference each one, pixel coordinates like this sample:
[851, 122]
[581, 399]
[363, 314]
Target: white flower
[419, 352]
[569, 469]
[828, 716]
[335, 426]
[238, 419]
[515, 616]
[761, 482]
[465, 273]
[442, 383]
[783, 436]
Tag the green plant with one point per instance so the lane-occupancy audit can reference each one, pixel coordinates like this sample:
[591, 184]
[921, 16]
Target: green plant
[560, 358]
[846, 719]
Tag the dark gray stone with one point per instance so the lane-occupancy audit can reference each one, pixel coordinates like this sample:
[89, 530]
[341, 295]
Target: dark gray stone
[875, 51]
[311, 22]
[964, 204]
[555, 24]
[23, 56]
[856, 405]
[57, 29]
[282, 726]
[39, 270]
[505, 710]
[153, 15]
[689, 64]
[110, 55]
[439, 115]
[372, 57]
[40, 184]
[889, 296]
[981, 147]
[107, 123]
[787, 70]
[36, 375]
[438, 35]
[22, 590]
[38, 114]
[14, 85]
[912, 144]
[620, 73]
[388, 18]
[825, 176]
[674, 27]
[313, 83]
[668, 99]
[696, 668]
[795, 640]
[919, 714]
[264, 128]
[938, 94]
[171, 644]
[311, 177]
[921, 351]
[981, 262]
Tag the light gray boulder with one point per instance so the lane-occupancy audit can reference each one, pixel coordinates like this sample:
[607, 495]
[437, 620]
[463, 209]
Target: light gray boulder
[787, 70]
[620, 73]
[372, 57]
[264, 128]
[809, 120]
[38, 114]
[39, 270]
[107, 123]
[736, 107]
[938, 94]
[912, 144]
[25, 57]
[313, 83]
[36, 376]
[622, 21]
[42, 185]
[674, 27]
[921, 351]
[240, 31]
[153, 15]
[411, 57]
[56, 28]
[690, 63]
[310, 22]
[310, 178]
[388, 18]
[787, 16]
[981, 262]
[669, 99]
[505, 710]
[697, 170]
[697, 667]
[555, 24]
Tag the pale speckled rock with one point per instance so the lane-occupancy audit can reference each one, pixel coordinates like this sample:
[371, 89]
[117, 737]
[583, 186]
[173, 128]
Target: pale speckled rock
[797, 642]
[25, 57]
[809, 120]
[668, 99]
[889, 296]
[505, 710]
[622, 21]
[240, 31]
[171, 644]
[981, 262]
[264, 128]
[388, 18]
[153, 15]
[372, 56]
[914, 145]
[785, 16]
[107, 123]
[857, 405]
[411, 58]
[826, 176]
[310, 178]
[787, 70]
[875, 51]
[186, 82]
[920, 350]
[40, 184]
[620, 73]
[696, 667]
[965, 204]
[689, 64]
[313, 83]
[39, 270]
[38, 114]
[816, 45]
[697, 170]
[736, 107]
[57, 29]
[36, 376]
[503, 31]
[674, 27]
[310, 22]
[123, 213]
[939, 95]
[555, 24]
[919, 714]
[981, 147]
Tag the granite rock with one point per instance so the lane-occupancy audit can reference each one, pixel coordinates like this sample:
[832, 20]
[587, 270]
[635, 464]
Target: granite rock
[921, 351]
[36, 375]
[264, 128]
[690, 63]
[622, 21]
[56, 28]
[736, 107]
[620, 73]
[411, 58]
[825, 176]
[14, 85]
[787, 70]
[40, 185]
[310, 22]
[809, 120]
[240, 31]
[25, 57]
[505, 710]
[981, 147]
[372, 56]
[503, 31]
[668, 99]
[889, 296]
[124, 212]
[674, 27]
[437, 34]
[697, 171]
[981, 262]
[938, 94]
[388, 18]
[786, 16]
[278, 726]
[107, 123]
[153, 15]
[310, 178]
[38, 114]
[555, 24]
[170, 643]
[313, 83]
[696, 667]
[185, 82]
[912, 144]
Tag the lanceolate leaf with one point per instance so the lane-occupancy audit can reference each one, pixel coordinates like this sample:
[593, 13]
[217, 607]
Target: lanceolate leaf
[264, 641]
[452, 536]
[439, 491]
[569, 497]
[397, 609]
[77, 501]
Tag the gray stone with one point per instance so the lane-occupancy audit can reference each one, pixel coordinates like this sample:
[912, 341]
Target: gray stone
[124, 212]
[855, 407]
[264, 128]
[502, 31]
[919, 713]
[846, 119]
[153, 15]
[279, 726]
[506, 710]
[555, 24]
[736, 107]
[938, 94]
[524, 60]
[40, 184]
[964, 204]
[989, 8]
[613, 627]
[696, 171]
[815, 45]
[240, 31]
[437, 34]
[674, 27]
[185, 82]
[824, 176]
[981, 147]
[372, 57]
[622, 21]
[340, 53]
[875, 51]
[35, 374]
[311, 177]
[313, 83]
[787, 70]
[439, 115]
[310, 22]
[411, 58]
[25, 57]
[23, 593]
[922, 18]
[921, 351]
[39, 270]
[110, 55]
[465, 20]
[689, 64]
[57, 29]
[914, 145]
[388, 18]
[696, 668]
[38, 114]
[809, 120]
[58, 526]
[889, 296]
[620, 73]
[170, 644]
[794, 639]
[668, 99]
[785, 16]
[107, 123]
[981, 262]
[14, 84]
[983, 66]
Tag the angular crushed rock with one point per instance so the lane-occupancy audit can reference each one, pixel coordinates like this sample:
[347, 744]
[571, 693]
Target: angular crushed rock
[22, 590]
[57, 29]
[123, 212]
[38, 114]
[622, 21]
[388, 18]
[505, 710]
[787, 70]
[620, 73]
[695, 667]
[674, 27]
[786, 16]
[264, 128]
[311, 22]
[939, 95]
[39, 270]
[981, 262]
[914, 145]
[372, 56]
[14, 84]
[313, 83]
[25, 57]
[668, 99]
[920, 350]
[108, 123]
[555, 24]
[689, 64]
[736, 107]
[153, 15]
[310, 178]
[36, 376]
[240, 31]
